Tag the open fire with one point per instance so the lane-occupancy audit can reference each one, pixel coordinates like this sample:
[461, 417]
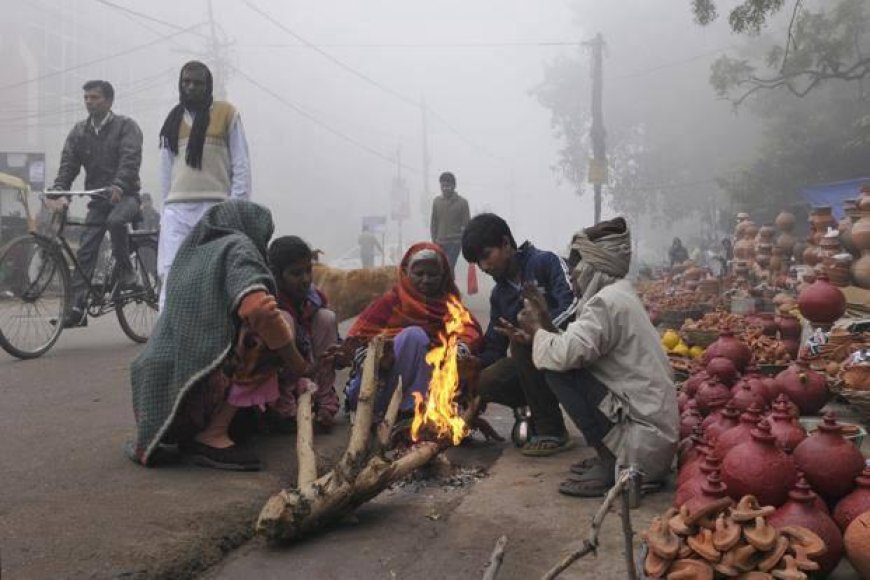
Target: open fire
[439, 413]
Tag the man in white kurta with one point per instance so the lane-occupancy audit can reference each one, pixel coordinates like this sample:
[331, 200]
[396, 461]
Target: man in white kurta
[191, 183]
[607, 368]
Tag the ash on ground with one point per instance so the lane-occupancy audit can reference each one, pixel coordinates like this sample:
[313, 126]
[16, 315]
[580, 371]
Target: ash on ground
[440, 473]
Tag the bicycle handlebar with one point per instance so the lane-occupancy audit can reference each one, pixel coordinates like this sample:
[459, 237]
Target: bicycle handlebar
[88, 192]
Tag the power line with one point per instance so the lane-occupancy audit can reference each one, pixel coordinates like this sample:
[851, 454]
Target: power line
[131, 12]
[533, 44]
[98, 60]
[671, 64]
[298, 109]
[407, 100]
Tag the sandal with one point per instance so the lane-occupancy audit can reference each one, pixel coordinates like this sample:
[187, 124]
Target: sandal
[546, 445]
[232, 458]
[582, 467]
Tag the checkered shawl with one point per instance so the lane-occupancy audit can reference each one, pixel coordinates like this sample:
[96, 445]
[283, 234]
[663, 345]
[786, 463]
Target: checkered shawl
[222, 260]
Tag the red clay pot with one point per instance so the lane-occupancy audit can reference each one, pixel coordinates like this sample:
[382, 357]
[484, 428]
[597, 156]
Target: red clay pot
[726, 419]
[830, 461]
[733, 349]
[800, 510]
[682, 402]
[723, 369]
[821, 302]
[744, 395]
[856, 503]
[692, 486]
[789, 326]
[785, 427]
[739, 434]
[688, 421]
[857, 540]
[712, 490]
[758, 467]
[712, 393]
[716, 408]
[806, 388]
[690, 387]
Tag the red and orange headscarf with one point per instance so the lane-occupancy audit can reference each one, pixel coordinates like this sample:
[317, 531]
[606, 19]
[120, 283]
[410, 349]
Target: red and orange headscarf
[405, 306]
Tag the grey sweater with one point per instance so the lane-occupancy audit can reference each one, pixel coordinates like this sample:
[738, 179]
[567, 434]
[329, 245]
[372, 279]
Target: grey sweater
[450, 215]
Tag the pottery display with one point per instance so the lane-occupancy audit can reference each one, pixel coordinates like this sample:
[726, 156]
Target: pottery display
[739, 434]
[731, 348]
[800, 510]
[723, 369]
[829, 461]
[821, 302]
[759, 467]
[787, 431]
[861, 271]
[789, 326]
[804, 387]
[712, 394]
[726, 419]
[688, 421]
[857, 542]
[856, 502]
[692, 486]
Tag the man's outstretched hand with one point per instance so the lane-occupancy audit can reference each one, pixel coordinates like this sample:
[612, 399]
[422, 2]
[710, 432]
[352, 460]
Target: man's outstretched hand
[515, 334]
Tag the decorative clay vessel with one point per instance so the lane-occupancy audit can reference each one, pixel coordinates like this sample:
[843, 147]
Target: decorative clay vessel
[830, 461]
[758, 467]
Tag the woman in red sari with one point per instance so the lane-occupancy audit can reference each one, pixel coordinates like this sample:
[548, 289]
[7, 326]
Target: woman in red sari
[412, 315]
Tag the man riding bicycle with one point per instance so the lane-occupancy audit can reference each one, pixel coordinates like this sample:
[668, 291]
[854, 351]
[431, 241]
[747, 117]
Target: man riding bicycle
[109, 147]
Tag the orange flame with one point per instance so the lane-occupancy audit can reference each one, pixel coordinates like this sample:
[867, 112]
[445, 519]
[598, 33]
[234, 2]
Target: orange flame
[440, 411]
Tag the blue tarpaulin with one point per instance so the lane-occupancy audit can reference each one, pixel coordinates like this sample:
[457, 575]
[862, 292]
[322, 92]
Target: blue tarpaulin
[834, 194]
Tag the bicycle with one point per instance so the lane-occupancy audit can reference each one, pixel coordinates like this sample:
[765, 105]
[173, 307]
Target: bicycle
[36, 272]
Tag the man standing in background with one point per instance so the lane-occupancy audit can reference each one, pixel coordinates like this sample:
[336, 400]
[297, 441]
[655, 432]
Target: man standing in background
[203, 161]
[450, 215]
[368, 243]
[109, 147]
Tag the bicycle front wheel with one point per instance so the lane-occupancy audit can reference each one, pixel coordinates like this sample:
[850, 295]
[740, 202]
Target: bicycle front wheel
[34, 288]
[137, 311]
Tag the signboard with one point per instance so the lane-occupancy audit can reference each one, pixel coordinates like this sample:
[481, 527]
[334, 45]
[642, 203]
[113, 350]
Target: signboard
[27, 166]
[597, 172]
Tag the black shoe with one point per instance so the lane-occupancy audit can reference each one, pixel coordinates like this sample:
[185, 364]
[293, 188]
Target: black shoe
[232, 458]
[74, 318]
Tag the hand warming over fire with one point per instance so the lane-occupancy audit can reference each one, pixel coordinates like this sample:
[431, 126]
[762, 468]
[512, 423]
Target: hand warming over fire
[515, 334]
[534, 299]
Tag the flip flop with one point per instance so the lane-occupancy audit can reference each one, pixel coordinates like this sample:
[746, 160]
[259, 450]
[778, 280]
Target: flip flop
[559, 444]
[582, 467]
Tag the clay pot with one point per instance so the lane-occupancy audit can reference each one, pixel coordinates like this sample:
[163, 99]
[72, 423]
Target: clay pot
[744, 395]
[810, 254]
[723, 369]
[759, 467]
[785, 428]
[845, 229]
[693, 448]
[821, 302]
[857, 542]
[715, 410]
[792, 346]
[830, 461]
[789, 326]
[806, 388]
[682, 402]
[733, 349]
[800, 510]
[861, 233]
[771, 391]
[688, 421]
[726, 419]
[822, 218]
[861, 271]
[856, 503]
[712, 394]
[739, 434]
[692, 486]
[712, 490]
[690, 387]
[785, 221]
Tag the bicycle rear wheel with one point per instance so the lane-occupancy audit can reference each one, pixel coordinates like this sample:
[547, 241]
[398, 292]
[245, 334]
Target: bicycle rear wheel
[137, 311]
[34, 289]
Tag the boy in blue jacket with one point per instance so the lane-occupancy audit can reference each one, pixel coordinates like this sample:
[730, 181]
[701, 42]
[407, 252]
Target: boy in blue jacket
[514, 381]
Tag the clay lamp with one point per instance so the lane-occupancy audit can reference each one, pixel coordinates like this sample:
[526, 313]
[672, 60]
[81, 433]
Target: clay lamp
[806, 544]
[830, 462]
[787, 431]
[727, 419]
[856, 503]
[755, 575]
[799, 511]
[704, 507]
[702, 544]
[662, 540]
[726, 567]
[748, 510]
[654, 565]
[760, 535]
[791, 570]
[740, 433]
[760, 468]
[727, 533]
[773, 557]
[746, 557]
[690, 570]
[677, 523]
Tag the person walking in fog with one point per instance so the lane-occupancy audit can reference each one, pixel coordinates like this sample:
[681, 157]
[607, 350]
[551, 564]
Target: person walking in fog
[203, 161]
[450, 215]
[109, 147]
[368, 243]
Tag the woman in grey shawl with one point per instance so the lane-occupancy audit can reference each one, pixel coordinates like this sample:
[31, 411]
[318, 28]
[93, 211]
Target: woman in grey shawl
[194, 369]
[607, 368]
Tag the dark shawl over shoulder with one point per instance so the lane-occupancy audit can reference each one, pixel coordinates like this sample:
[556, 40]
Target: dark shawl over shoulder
[222, 260]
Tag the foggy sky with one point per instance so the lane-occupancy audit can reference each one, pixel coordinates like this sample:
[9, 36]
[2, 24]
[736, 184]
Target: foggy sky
[319, 185]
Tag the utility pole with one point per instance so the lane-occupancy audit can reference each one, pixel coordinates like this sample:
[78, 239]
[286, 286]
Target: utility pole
[426, 202]
[598, 163]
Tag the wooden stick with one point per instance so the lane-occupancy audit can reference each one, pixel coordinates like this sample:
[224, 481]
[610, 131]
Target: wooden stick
[359, 435]
[590, 544]
[386, 427]
[495, 560]
[305, 457]
[628, 534]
